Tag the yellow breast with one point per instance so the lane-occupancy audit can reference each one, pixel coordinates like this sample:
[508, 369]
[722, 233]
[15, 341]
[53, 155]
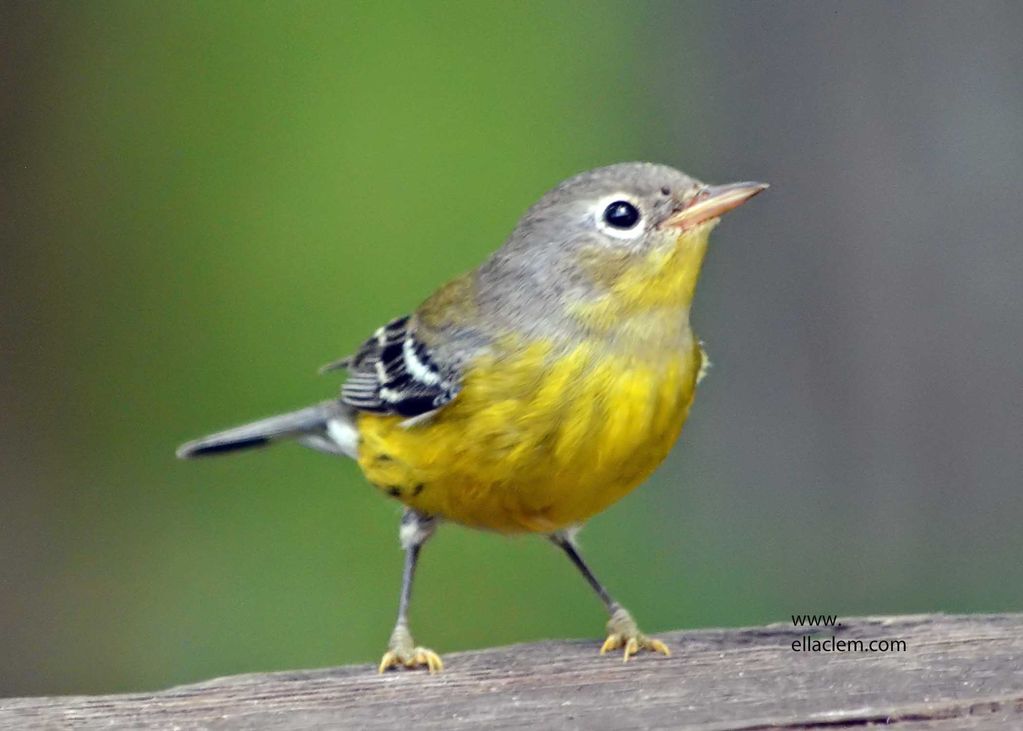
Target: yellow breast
[535, 442]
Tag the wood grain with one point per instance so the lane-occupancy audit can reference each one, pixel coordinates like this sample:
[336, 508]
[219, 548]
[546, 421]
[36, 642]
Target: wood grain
[963, 672]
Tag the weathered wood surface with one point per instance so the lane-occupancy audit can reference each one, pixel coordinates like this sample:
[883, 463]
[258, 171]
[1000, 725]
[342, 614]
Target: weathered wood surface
[956, 672]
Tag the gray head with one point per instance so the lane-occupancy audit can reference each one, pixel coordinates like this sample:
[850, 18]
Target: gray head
[584, 235]
[619, 207]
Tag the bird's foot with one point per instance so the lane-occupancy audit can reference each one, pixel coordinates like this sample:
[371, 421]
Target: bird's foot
[402, 652]
[623, 632]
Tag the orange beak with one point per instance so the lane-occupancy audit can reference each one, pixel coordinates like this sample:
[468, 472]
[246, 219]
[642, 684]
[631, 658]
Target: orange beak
[712, 201]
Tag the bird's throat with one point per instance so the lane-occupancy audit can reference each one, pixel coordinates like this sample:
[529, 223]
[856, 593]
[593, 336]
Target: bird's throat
[657, 284]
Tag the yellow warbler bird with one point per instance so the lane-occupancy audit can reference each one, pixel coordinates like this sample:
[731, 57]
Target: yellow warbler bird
[533, 392]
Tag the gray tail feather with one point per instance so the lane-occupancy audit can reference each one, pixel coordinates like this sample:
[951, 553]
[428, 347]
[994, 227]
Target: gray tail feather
[308, 425]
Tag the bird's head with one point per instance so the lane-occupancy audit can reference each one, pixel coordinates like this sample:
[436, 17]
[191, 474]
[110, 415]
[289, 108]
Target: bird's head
[619, 239]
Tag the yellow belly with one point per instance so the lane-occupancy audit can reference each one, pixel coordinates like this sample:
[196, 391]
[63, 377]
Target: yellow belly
[533, 443]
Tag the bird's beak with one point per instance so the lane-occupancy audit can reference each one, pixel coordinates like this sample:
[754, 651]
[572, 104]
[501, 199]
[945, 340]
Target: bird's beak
[712, 201]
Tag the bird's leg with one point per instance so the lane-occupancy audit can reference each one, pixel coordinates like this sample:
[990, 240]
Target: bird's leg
[622, 630]
[416, 528]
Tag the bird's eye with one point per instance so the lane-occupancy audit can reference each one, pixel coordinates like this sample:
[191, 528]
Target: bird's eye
[621, 214]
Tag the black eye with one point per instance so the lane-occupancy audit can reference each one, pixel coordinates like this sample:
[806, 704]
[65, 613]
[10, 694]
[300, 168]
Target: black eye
[621, 214]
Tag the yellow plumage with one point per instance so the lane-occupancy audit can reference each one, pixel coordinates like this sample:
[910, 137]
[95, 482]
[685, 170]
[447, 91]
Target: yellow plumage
[507, 456]
[542, 437]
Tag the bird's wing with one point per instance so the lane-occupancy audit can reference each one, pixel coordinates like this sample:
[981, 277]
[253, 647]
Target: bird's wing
[395, 372]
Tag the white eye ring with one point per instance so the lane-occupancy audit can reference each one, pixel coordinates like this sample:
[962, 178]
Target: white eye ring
[627, 234]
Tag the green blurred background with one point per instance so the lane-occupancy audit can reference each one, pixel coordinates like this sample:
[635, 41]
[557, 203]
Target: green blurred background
[202, 202]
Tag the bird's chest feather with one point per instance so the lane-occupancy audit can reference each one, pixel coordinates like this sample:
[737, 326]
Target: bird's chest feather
[535, 443]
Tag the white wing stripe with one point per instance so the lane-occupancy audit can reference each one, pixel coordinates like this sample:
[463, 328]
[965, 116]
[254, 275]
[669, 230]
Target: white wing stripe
[419, 370]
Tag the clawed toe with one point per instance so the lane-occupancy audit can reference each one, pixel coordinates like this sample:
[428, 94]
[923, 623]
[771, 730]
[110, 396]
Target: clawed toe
[623, 633]
[418, 657]
[402, 652]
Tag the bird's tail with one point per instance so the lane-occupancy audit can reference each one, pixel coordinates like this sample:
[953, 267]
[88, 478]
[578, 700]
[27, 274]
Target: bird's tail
[327, 427]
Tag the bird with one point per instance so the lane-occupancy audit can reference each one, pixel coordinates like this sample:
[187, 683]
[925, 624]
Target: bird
[533, 392]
